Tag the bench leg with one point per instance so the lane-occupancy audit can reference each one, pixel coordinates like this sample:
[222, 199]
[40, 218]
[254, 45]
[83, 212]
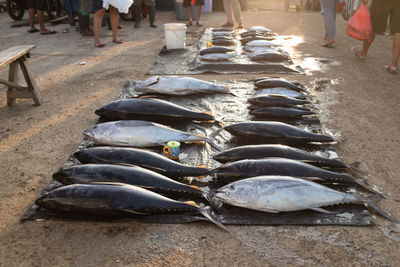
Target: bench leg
[13, 78]
[30, 81]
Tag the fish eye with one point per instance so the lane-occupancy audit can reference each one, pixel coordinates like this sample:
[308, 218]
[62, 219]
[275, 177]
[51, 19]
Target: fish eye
[232, 187]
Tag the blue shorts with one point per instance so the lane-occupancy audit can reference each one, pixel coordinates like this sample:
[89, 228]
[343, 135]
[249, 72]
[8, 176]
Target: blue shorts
[97, 4]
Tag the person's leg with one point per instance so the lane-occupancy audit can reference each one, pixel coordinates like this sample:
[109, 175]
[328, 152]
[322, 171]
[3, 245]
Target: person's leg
[98, 18]
[363, 52]
[40, 14]
[152, 15]
[237, 12]
[32, 12]
[114, 24]
[198, 16]
[138, 13]
[189, 15]
[395, 52]
[228, 12]
[329, 13]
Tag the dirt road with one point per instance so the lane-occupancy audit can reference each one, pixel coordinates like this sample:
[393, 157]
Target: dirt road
[360, 106]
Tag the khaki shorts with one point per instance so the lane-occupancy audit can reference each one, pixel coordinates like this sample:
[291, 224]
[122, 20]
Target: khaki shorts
[380, 12]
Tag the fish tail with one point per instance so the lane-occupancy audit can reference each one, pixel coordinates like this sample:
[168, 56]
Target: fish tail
[206, 212]
[215, 133]
[353, 170]
[213, 144]
[370, 202]
[365, 186]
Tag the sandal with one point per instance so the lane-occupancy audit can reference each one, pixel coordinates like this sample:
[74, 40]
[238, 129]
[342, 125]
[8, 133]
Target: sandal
[99, 44]
[117, 41]
[189, 24]
[396, 71]
[49, 32]
[355, 50]
[328, 44]
[198, 24]
[32, 30]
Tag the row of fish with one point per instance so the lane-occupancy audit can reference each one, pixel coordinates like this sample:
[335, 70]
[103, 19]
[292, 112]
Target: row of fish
[258, 42]
[111, 168]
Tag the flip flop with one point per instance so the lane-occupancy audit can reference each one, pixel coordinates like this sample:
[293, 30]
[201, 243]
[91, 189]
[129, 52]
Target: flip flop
[189, 24]
[49, 32]
[117, 41]
[355, 50]
[328, 45]
[391, 71]
[32, 30]
[199, 24]
[99, 44]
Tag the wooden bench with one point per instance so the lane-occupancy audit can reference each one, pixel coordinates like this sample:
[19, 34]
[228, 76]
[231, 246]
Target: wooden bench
[14, 56]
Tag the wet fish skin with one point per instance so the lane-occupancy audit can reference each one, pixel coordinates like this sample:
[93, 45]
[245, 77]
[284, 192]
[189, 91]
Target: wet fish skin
[133, 175]
[268, 100]
[250, 38]
[278, 166]
[137, 133]
[277, 151]
[278, 82]
[271, 56]
[138, 157]
[261, 43]
[215, 49]
[258, 29]
[109, 197]
[148, 109]
[178, 85]
[282, 91]
[273, 131]
[280, 112]
[284, 194]
[216, 57]
[222, 42]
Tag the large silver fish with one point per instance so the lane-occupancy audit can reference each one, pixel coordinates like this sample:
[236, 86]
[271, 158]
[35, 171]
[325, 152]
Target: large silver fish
[216, 57]
[149, 109]
[282, 193]
[272, 132]
[262, 43]
[177, 85]
[137, 133]
[114, 199]
[282, 91]
[272, 56]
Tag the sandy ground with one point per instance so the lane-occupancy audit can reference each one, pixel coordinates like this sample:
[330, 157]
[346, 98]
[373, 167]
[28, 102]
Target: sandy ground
[360, 106]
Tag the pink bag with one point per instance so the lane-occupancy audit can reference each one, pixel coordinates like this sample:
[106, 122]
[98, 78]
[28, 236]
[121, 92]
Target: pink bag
[359, 25]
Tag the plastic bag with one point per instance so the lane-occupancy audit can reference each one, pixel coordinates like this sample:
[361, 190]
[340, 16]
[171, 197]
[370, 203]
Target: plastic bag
[350, 7]
[359, 26]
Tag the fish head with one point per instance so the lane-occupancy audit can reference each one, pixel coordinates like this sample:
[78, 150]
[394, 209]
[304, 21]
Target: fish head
[237, 193]
[63, 177]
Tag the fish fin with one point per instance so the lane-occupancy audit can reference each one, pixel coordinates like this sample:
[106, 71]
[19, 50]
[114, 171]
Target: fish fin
[370, 202]
[365, 186]
[232, 93]
[313, 179]
[196, 188]
[108, 183]
[208, 113]
[134, 212]
[211, 142]
[202, 166]
[192, 203]
[207, 214]
[322, 210]
[215, 133]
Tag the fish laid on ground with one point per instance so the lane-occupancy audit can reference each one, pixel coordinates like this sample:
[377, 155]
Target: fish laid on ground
[255, 33]
[267, 100]
[113, 199]
[215, 49]
[272, 56]
[280, 112]
[277, 82]
[281, 91]
[137, 133]
[221, 30]
[178, 85]
[149, 109]
[262, 43]
[216, 57]
[222, 42]
[282, 194]
[263, 48]
[273, 131]
[133, 175]
[228, 38]
[256, 37]
[139, 157]
[258, 29]
[277, 151]
[280, 166]
[219, 33]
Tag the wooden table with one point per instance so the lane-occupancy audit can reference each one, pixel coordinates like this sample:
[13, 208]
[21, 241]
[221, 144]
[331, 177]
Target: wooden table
[14, 56]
